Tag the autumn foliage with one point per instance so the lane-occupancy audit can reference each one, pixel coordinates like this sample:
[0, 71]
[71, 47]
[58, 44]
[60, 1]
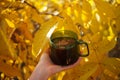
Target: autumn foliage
[24, 25]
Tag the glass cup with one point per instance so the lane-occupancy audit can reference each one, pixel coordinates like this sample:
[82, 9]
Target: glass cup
[66, 48]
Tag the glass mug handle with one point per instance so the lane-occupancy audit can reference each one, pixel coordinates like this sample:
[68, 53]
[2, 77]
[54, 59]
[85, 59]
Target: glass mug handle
[84, 50]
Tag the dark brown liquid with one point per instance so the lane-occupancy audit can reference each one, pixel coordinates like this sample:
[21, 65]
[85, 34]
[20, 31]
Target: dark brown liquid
[65, 51]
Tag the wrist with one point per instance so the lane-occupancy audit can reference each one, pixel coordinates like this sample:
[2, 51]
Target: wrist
[39, 73]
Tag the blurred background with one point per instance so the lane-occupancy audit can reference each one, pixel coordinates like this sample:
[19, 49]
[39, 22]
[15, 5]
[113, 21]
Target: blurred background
[24, 26]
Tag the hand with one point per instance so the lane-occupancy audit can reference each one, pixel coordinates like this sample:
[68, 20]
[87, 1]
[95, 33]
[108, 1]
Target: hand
[45, 67]
[52, 68]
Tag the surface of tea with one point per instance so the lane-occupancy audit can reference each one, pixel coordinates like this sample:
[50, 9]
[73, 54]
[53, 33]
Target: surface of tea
[65, 51]
[63, 42]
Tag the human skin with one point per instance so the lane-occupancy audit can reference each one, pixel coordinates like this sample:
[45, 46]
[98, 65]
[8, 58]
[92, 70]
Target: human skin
[45, 67]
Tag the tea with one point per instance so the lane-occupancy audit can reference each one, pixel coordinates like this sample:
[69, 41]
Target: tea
[66, 48]
[64, 51]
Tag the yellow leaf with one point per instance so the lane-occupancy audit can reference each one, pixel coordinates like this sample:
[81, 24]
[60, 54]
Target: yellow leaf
[95, 25]
[86, 11]
[77, 10]
[89, 73]
[23, 28]
[11, 24]
[6, 48]
[3, 26]
[58, 76]
[96, 38]
[112, 64]
[117, 25]
[66, 23]
[116, 21]
[36, 16]
[111, 67]
[105, 9]
[118, 1]
[10, 14]
[81, 72]
[9, 70]
[105, 46]
[40, 40]
[86, 7]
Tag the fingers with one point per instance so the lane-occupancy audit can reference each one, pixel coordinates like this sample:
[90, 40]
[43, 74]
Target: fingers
[71, 66]
[45, 57]
[78, 61]
[45, 54]
[47, 51]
